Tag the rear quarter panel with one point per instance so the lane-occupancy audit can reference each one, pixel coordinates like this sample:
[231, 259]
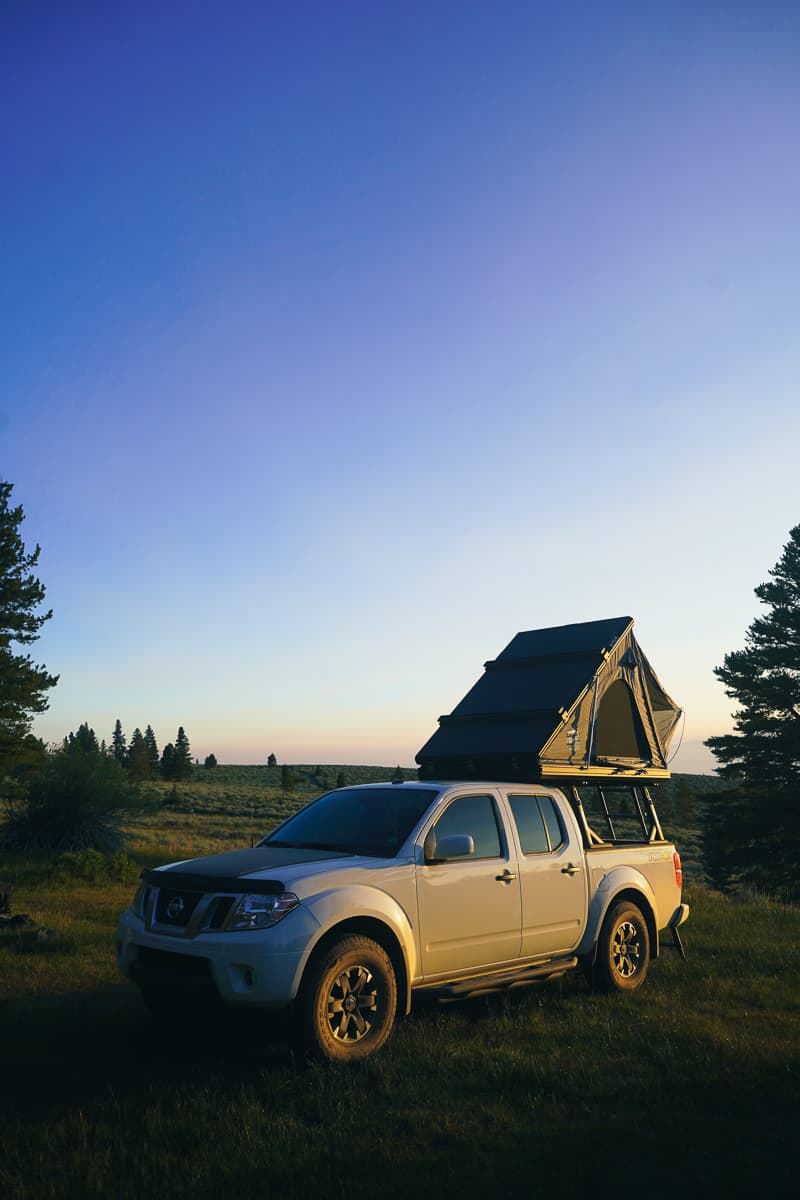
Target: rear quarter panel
[648, 870]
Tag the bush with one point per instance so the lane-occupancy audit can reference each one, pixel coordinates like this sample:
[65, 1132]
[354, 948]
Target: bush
[75, 803]
[94, 867]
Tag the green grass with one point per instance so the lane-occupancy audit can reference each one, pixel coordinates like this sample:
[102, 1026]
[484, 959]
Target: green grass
[689, 1085]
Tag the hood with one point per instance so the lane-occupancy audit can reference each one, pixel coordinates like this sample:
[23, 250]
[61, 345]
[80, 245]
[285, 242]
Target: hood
[256, 870]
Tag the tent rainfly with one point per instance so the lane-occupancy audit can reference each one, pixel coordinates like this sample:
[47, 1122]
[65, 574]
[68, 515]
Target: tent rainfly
[575, 701]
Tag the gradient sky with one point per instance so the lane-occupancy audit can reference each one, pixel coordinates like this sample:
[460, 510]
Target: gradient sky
[342, 341]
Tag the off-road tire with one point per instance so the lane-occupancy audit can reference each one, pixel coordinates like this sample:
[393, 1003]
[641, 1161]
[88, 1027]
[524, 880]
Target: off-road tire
[347, 1003]
[623, 950]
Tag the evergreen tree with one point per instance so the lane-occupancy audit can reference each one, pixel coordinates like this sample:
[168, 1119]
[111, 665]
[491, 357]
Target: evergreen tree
[119, 749]
[168, 761]
[684, 803]
[287, 779]
[752, 832]
[23, 686]
[138, 759]
[82, 742]
[183, 766]
[272, 761]
[152, 750]
[398, 775]
[210, 761]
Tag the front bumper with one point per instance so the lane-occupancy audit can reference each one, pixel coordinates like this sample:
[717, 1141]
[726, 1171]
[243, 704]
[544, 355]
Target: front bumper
[255, 968]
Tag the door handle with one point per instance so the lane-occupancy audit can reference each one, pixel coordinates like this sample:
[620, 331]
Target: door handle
[569, 869]
[506, 877]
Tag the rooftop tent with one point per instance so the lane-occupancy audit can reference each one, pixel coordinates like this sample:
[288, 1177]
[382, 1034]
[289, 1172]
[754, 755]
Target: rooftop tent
[572, 701]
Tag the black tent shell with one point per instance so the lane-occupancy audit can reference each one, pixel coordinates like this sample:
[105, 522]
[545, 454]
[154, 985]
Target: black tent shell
[567, 702]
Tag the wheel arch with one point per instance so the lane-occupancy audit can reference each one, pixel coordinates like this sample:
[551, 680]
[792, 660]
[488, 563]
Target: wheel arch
[635, 896]
[378, 931]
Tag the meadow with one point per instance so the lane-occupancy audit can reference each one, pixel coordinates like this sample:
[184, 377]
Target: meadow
[690, 1084]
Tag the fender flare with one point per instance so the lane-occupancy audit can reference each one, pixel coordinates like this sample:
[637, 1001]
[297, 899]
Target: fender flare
[621, 882]
[368, 910]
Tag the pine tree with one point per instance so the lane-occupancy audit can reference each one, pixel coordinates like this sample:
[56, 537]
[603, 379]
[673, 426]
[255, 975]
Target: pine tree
[82, 742]
[23, 686]
[210, 761]
[183, 766]
[138, 759]
[752, 833]
[684, 803]
[168, 761]
[272, 761]
[152, 750]
[119, 749]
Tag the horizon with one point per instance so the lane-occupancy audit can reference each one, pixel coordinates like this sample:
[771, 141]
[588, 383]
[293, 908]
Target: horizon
[342, 345]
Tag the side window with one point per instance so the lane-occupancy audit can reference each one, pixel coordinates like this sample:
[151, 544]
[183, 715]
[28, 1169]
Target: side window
[552, 823]
[474, 815]
[537, 822]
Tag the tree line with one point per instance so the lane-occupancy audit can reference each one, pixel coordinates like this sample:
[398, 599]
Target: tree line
[141, 758]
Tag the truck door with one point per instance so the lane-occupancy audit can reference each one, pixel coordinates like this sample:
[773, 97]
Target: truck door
[469, 907]
[552, 875]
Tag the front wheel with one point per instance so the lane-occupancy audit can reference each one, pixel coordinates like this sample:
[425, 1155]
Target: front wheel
[623, 949]
[348, 1001]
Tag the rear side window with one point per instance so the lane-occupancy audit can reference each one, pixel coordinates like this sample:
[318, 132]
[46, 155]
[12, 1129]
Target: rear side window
[537, 823]
[474, 815]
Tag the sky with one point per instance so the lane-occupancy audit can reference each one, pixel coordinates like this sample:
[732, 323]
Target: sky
[340, 342]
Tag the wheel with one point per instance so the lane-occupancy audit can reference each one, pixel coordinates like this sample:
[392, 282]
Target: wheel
[623, 949]
[348, 1001]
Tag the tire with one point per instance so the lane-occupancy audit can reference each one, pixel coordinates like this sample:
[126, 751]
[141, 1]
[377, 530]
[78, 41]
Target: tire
[347, 1003]
[623, 949]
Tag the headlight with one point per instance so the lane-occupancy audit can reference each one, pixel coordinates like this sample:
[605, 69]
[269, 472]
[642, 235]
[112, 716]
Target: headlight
[257, 912]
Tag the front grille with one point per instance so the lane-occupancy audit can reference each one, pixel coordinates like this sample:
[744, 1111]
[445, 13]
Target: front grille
[177, 966]
[219, 911]
[175, 907]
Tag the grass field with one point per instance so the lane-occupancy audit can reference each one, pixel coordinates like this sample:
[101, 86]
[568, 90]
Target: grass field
[690, 1085]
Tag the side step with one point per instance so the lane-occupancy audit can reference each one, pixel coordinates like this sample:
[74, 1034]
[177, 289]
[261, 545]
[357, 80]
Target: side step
[500, 980]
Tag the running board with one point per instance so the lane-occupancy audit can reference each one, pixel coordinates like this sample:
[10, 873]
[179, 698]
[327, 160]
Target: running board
[500, 980]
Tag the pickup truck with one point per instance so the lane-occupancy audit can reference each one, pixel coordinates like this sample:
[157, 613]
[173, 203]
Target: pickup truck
[372, 893]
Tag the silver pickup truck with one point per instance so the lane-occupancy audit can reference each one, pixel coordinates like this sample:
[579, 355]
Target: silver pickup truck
[372, 893]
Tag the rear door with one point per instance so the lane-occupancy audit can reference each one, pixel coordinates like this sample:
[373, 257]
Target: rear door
[552, 873]
[469, 908]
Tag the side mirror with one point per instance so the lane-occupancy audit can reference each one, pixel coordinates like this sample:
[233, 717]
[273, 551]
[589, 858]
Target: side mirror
[453, 845]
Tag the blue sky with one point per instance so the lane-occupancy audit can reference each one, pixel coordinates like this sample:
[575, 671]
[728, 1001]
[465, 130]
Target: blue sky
[341, 342]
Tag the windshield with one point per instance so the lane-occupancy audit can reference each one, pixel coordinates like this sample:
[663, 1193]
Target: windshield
[372, 821]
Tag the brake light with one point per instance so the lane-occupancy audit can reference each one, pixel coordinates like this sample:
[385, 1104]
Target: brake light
[676, 862]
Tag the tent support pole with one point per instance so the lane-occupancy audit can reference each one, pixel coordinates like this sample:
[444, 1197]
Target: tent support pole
[590, 838]
[657, 830]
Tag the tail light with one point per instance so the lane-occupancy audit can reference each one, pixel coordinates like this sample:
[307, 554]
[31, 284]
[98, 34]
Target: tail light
[676, 862]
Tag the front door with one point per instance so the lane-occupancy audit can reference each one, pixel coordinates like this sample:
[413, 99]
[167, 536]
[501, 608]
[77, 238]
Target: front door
[469, 908]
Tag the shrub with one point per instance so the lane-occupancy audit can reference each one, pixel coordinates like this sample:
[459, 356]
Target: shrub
[75, 803]
[93, 867]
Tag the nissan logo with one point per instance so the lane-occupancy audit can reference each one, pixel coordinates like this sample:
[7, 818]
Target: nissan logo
[175, 908]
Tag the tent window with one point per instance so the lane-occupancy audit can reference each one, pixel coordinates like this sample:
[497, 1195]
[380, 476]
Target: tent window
[619, 732]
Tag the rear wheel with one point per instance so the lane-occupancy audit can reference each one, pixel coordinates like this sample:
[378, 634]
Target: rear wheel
[348, 1001]
[623, 949]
